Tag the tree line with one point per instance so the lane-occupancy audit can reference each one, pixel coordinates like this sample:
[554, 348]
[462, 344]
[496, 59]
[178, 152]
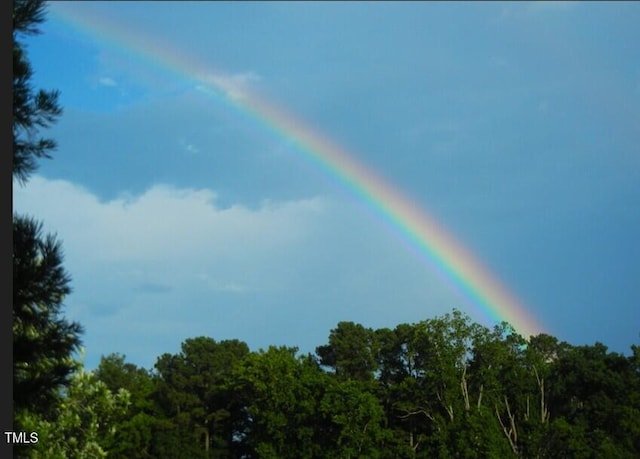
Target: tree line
[444, 387]
[439, 388]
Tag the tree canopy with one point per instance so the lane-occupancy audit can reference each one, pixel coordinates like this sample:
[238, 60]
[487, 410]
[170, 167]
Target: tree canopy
[442, 387]
[44, 342]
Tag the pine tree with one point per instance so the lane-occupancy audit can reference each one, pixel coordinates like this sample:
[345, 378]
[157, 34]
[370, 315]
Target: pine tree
[43, 340]
[31, 109]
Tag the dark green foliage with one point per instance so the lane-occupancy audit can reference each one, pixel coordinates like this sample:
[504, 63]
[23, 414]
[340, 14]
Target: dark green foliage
[440, 388]
[357, 420]
[194, 390]
[280, 395]
[596, 400]
[27, 15]
[43, 341]
[350, 352]
[135, 432]
[444, 387]
[32, 109]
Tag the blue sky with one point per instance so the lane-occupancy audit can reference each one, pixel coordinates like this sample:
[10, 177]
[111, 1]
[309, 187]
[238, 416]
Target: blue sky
[514, 124]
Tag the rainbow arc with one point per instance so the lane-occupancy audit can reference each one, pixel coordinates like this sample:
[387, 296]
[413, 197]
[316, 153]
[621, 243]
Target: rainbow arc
[412, 223]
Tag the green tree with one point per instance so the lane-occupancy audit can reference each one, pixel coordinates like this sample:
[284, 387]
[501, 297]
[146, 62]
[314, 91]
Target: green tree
[43, 341]
[88, 412]
[281, 394]
[134, 433]
[426, 388]
[595, 403]
[351, 352]
[194, 390]
[357, 418]
[502, 383]
[32, 109]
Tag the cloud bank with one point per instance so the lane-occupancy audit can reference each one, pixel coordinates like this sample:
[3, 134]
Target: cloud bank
[152, 269]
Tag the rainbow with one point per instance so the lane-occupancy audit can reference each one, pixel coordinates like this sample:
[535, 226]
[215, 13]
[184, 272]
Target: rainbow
[416, 227]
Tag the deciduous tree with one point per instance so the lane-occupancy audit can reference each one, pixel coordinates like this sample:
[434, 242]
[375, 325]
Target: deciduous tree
[88, 413]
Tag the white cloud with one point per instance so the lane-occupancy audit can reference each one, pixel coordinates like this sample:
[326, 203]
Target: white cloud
[189, 147]
[217, 285]
[192, 148]
[106, 81]
[152, 269]
[163, 223]
[235, 86]
[136, 261]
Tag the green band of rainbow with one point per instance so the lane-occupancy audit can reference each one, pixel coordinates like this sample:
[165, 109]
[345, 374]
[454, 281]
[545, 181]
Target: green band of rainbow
[414, 224]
